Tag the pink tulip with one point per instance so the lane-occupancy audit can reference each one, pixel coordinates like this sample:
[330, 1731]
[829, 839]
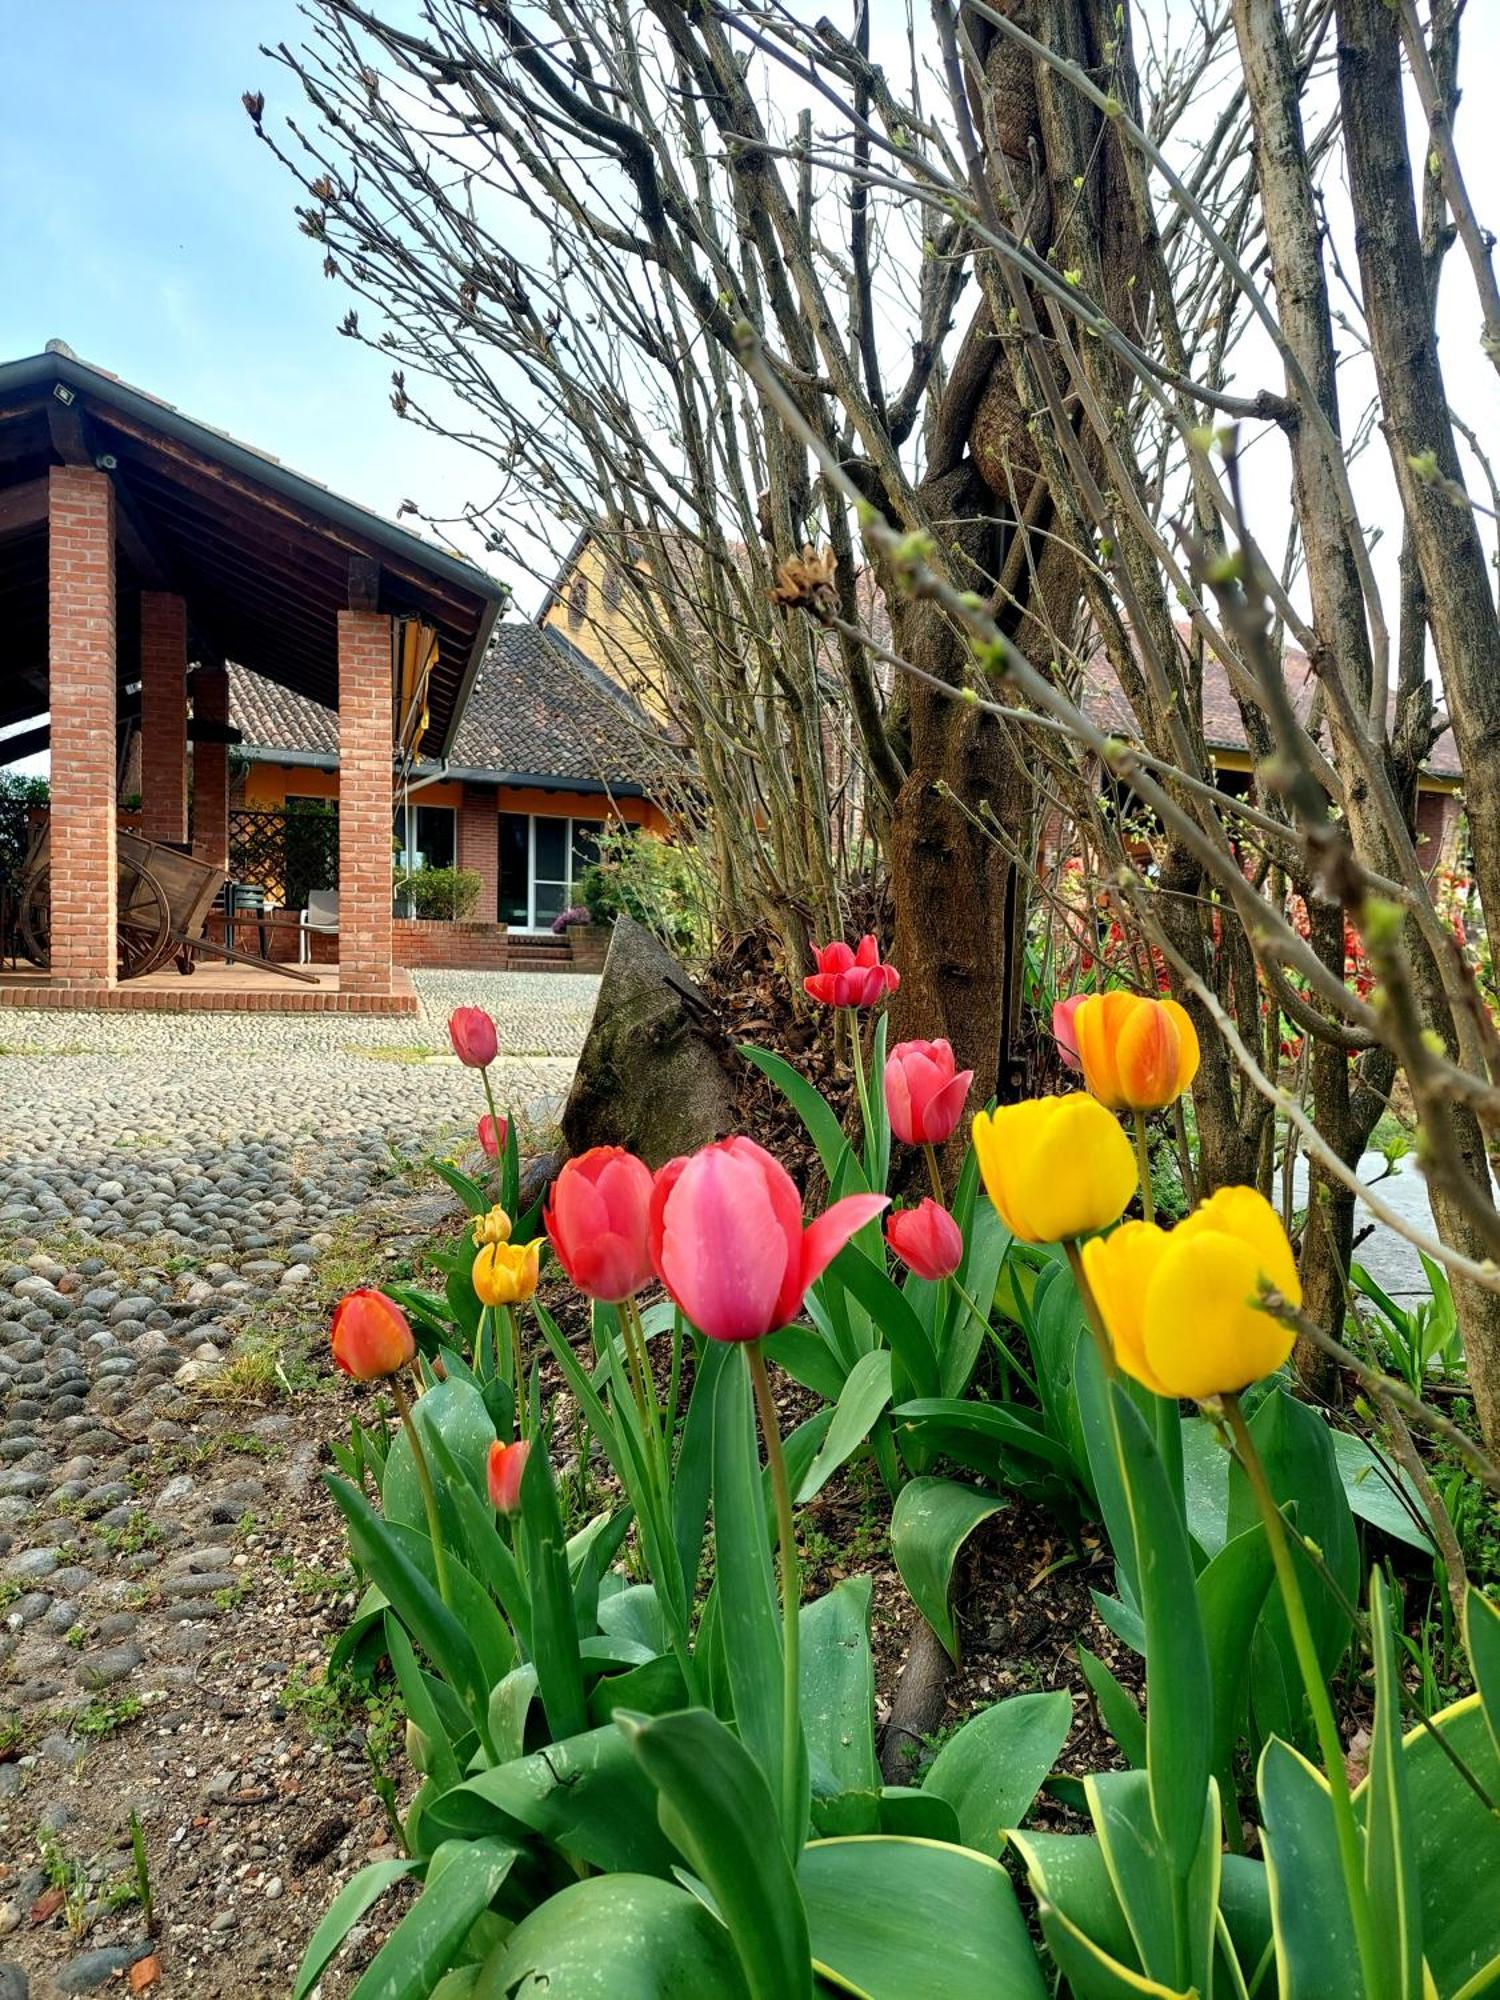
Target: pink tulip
[926, 1239]
[924, 1095]
[473, 1036]
[507, 1464]
[492, 1136]
[597, 1219]
[1062, 1030]
[728, 1243]
[846, 978]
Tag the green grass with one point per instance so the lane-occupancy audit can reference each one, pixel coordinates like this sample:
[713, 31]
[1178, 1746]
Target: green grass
[103, 1717]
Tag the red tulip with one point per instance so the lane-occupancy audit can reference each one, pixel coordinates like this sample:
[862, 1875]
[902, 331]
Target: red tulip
[846, 978]
[492, 1135]
[507, 1463]
[924, 1096]
[728, 1243]
[597, 1219]
[473, 1036]
[926, 1239]
[1062, 1030]
[370, 1336]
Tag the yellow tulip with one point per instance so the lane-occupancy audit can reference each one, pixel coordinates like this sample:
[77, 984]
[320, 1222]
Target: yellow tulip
[505, 1274]
[1055, 1167]
[492, 1227]
[1137, 1054]
[1180, 1306]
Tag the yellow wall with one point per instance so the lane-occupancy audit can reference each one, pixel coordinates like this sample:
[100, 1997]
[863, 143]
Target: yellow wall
[608, 634]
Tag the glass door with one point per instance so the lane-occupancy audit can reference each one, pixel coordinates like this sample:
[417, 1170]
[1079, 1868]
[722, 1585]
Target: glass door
[542, 859]
[550, 875]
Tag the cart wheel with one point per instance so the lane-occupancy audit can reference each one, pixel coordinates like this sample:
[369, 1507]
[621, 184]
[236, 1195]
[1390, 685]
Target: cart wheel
[143, 922]
[36, 918]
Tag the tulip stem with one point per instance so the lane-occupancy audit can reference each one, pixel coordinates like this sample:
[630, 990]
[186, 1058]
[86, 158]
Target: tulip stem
[1345, 1825]
[634, 1332]
[1143, 1158]
[424, 1480]
[489, 1097]
[934, 1173]
[791, 1597]
[861, 1088]
[1090, 1309]
[518, 1363]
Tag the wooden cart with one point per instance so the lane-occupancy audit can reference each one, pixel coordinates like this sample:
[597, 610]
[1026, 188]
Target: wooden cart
[163, 899]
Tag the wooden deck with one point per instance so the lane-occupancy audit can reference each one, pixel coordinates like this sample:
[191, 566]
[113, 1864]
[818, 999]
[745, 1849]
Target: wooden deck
[212, 989]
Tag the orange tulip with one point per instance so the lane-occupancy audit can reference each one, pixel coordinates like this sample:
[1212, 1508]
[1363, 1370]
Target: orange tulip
[506, 1464]
[371, 1336]
[1137, 1054]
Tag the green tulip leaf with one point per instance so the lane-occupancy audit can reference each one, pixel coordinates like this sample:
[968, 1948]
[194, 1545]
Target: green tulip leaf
[1179, 1695]
[587, 1796]
[692, 1478]
[1119, 1708]
[891, 1313]
[1482, 1644]
[913, 1920]
[1231, 1590]
[837, 1679]
[1010, 1429]
[617, 1937]
[992, 1769]
[809, 1359]
[930, 1523]
[865, 1394]
[1067, 1874]
[455, 1410]
[1390, 1860]
[359, 1894]
[554, 1627]
[1316, 1954]
[916, 1815]
[1455, 1839]
[1170, 1909]
[717, 1809]
[462, 1881]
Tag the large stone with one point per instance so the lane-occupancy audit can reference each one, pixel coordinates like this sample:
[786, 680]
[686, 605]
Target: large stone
[652, 1073]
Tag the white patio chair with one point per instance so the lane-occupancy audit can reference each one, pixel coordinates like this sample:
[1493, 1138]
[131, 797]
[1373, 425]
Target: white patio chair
[321, 914]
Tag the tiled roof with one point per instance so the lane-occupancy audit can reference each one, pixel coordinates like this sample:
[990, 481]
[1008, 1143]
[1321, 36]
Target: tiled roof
[1105, 705]
[539, 709]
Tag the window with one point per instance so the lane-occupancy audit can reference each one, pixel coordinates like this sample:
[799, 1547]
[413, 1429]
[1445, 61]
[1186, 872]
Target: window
[578, 602]
[614, 584]
[543, 857]
[422, 837]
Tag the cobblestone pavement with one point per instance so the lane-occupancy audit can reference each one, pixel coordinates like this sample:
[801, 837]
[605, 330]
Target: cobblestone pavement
[168, 1187]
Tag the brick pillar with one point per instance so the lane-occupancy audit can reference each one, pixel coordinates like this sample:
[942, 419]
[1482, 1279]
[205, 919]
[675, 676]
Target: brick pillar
[366, 802]
[81, 697]
[211, 769]
[163, 716]
[479, 847]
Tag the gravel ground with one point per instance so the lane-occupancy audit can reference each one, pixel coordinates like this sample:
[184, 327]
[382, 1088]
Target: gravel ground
[171, 1189]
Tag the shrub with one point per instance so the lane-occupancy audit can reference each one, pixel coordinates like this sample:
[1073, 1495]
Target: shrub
[654, 881]
[448, 894]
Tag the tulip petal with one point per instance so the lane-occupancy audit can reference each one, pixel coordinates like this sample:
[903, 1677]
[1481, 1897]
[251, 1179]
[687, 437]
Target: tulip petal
[1203, 1334]
[945, 1108]
[723, 1252]
[1188, 1052]
[822, 1240]
[1118, 1268]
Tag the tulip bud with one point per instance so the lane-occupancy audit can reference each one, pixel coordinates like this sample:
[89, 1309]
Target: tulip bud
[924, 1092]
[417, 1747]
[506, 1468]
[493, 1135]
[370, 1336]
[493, 1226]
[926, 1239]
[473, 1036]
[1137, 1054]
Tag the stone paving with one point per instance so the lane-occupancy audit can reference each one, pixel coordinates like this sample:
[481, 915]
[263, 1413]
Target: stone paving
[164, 1180]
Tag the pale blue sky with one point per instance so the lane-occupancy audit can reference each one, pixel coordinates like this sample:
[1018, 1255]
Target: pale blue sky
[148, 227]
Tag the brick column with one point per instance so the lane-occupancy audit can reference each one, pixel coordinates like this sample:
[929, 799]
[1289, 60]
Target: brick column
[366, 802]
[211, 769]
[81, 697]
[163, 716]
[479, 846]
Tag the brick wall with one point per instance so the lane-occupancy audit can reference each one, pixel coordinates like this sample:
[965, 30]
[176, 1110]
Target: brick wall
[366, 801]
[163, 781]
[81, 697]
[479, 846]
[211, 769]
[424, 942]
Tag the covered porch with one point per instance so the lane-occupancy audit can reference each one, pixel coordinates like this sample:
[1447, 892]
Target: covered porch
[140, 554]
